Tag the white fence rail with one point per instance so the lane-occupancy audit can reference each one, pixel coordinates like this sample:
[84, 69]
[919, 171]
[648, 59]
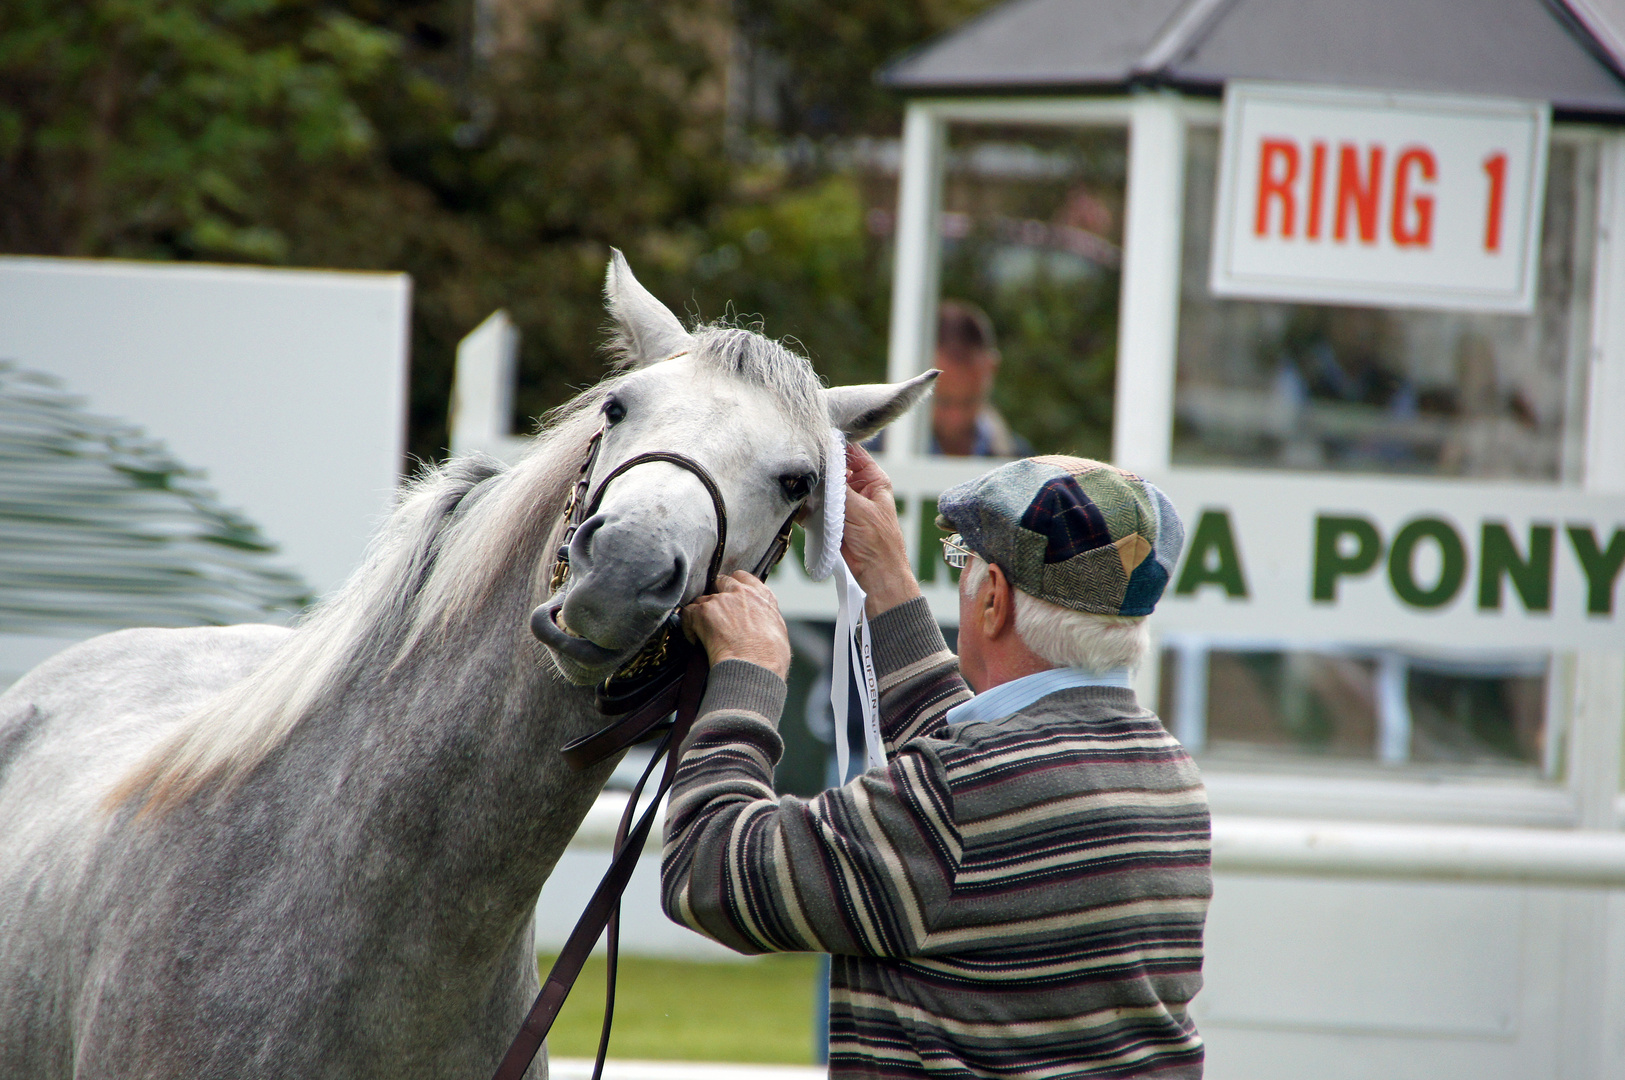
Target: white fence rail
[1439, 853]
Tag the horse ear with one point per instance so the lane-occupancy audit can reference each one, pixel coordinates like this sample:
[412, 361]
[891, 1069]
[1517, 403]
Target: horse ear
[645, 329]
[860, 411]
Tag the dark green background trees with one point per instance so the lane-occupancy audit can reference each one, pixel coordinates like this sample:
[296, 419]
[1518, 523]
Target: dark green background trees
[494, 154]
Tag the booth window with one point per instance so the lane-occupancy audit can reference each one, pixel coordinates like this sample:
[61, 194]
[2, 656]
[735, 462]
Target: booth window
[1032, 230]
[1380, 391]
[1263, 704]
[1389, 390]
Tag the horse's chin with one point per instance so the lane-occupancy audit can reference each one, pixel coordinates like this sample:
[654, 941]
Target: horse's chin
[578, 674]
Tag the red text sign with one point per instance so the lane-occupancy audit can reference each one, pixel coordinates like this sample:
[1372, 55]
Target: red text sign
[1401, 200]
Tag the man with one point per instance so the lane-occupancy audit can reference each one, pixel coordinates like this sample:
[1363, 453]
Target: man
[964, 422]
[1021, 890]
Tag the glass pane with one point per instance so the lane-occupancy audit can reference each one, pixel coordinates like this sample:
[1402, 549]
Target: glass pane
[1032, 231]
[1248, 707]
[1441, 393]
[1483, 718]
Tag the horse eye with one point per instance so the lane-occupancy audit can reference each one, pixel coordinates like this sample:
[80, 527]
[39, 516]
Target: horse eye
[614, 411]
[797, 485]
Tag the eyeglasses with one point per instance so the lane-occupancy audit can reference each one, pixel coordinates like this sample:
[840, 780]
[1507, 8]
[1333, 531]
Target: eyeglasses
[954, 551]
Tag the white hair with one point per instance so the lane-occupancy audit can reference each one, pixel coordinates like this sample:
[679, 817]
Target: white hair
[1067, 638]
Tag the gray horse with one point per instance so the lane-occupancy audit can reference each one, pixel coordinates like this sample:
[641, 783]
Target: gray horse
[257, 852]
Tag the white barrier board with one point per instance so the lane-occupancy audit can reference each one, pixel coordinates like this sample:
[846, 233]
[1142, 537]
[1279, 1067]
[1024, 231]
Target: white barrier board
[287, 388]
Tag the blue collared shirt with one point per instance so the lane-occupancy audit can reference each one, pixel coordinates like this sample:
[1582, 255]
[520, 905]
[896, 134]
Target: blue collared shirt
[1017, 694]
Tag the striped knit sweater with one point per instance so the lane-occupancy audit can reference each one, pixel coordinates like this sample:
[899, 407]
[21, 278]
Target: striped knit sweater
[1019, 898]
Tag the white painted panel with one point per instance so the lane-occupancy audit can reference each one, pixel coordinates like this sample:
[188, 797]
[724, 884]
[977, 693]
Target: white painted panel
[287, 387]
[1362, 951]
[582, 1069]
[912, 336]
[1258, 1055]
[1364, 957]
[1555, 1011]
[645, 930]
[1610, 1033]
[482, 392]
[1148, 315]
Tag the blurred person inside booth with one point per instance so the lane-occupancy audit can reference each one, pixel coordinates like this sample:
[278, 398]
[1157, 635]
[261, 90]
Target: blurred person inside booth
[964, 422]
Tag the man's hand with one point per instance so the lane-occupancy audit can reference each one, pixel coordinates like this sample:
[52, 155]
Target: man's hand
[872, 542]
[740, 621]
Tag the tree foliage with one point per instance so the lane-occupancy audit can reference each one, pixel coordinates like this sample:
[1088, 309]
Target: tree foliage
[157, 129]
[379, 134]
[822, 56]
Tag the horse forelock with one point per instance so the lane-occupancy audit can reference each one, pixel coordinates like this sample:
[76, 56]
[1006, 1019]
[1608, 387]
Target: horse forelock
[744, 352]
[787, 375]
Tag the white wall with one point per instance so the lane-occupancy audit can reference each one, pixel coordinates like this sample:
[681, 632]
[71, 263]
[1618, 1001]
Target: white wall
[645, 930]
[288, 387]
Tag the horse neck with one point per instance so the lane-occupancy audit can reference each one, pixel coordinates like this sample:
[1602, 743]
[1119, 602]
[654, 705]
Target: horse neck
[442, 762]
[480, 723]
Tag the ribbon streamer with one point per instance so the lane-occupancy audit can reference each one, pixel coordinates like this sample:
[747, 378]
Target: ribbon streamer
[824, 527]
[851, 652]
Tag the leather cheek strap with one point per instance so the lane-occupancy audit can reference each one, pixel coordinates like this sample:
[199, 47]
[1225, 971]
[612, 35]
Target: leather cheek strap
[700, 473]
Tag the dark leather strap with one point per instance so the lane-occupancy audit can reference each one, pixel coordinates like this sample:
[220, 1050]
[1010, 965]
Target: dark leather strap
[573, 508]
[612, 933]
[606, 897]
[775, 550]
[701, 474]
[642, 724]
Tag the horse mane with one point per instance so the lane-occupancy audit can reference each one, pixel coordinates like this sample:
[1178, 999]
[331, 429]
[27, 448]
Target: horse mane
[438, 562]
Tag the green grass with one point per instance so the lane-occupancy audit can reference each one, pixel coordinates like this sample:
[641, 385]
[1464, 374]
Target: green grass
[760, 1010]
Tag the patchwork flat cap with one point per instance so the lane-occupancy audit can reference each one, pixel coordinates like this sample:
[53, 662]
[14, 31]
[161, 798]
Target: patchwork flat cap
[1078, 533]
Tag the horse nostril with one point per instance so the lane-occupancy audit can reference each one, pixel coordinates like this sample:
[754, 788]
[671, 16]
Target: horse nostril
[669, 591]
[581, 545]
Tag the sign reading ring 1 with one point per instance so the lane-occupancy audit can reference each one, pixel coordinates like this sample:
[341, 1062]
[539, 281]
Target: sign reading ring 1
[1363, 197]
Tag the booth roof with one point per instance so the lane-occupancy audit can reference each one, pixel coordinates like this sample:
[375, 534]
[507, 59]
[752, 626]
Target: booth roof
[1543, 50]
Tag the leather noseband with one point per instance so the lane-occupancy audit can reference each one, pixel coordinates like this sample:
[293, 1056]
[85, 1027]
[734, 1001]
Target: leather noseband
[650, 677]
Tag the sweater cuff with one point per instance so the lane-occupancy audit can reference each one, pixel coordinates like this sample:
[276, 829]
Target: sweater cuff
[904, 635]
[741, 686]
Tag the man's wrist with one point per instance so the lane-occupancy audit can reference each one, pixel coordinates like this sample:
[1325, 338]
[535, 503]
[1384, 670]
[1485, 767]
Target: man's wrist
[743, 688]
[889, 588]
[777, 663]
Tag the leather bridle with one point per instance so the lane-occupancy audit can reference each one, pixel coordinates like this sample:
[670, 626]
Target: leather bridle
[649, 677]
[578, 510]
[668, 673]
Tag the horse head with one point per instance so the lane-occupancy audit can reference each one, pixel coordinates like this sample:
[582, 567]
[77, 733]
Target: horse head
[750, 413]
